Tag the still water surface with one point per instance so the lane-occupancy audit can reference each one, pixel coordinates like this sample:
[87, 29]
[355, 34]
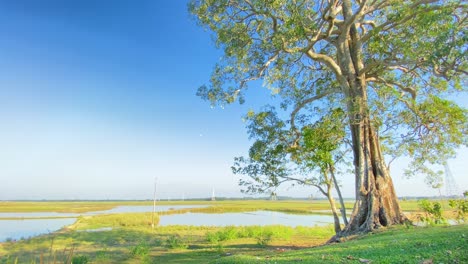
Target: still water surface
[24, 228]
[246, 218]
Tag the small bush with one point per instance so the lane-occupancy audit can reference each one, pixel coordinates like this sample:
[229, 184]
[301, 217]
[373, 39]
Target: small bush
[461, 209]
[229, 233]
[432, 212]
[175, 242]
[212, 237]
[264, 238]
[140, 250]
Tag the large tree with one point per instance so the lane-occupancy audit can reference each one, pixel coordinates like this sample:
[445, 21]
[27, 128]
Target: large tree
[390, 64]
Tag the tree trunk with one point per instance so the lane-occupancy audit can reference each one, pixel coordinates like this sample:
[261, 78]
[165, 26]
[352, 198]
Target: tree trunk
[328, 194]
[340, 197]
[376, 201]
[336, 217]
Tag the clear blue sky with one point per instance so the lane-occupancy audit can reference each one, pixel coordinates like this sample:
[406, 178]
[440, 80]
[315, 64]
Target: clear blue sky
[98, 97]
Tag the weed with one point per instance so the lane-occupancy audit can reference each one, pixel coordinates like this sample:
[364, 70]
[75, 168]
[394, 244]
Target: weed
[264, 238]
[175, 242]
[212, 237]
[140, 250]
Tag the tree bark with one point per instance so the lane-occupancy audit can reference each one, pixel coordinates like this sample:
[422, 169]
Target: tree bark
[328, 194]
[336, 217]
[376, 201]
[340, 197]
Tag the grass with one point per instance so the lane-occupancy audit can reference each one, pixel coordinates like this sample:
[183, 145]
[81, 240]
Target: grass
[141, 220]
[212, 206]
[398, 245]
[188, 244]
[138, 243]
[132, 240]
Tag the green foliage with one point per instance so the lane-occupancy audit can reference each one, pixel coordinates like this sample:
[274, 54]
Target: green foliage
[262, 234]
[434, 179]
[461, 209]
[432, 212]
[410, 58]
[118, 220]
[140, 250]
[176, 242]
[398, 245]
[264, 238]
[80, 259]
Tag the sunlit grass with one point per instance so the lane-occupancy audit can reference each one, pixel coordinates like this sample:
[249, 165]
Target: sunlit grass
[132, 240]
[288, 206]
[140, 244]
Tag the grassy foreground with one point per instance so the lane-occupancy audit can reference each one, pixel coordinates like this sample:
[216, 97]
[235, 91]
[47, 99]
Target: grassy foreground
[128, 238]
[132, 241]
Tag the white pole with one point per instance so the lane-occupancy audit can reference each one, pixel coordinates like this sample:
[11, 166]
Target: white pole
[154, 202]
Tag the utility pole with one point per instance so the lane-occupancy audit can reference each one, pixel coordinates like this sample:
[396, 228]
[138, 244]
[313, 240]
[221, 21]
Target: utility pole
[213, 198]
[154, 202]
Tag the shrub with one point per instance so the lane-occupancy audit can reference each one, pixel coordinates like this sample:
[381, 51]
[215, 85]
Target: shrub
[140, 250]
[212, 237]
[175, 242]
[228, 233]
[461, 208]
[264, 238]
[432, 211]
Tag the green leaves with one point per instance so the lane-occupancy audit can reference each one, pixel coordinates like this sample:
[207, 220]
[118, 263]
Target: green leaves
[403, 58]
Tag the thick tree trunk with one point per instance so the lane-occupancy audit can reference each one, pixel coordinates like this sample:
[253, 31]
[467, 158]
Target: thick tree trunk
[376, 201]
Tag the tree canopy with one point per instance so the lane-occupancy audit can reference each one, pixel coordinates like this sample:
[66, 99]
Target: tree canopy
[391, 65]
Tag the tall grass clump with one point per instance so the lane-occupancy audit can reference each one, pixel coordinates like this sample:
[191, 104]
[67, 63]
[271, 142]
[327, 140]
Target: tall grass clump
[176, 242]
[140, 250]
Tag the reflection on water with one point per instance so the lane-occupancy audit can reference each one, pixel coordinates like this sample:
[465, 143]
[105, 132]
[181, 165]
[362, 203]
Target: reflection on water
[242, 219]
[23, 228]
[17, 229]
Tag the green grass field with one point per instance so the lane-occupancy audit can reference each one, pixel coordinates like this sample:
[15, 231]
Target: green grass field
[132, 240]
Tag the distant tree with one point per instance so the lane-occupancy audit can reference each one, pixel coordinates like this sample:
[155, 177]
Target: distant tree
[435, 181]
[389, 64]
[305, 158]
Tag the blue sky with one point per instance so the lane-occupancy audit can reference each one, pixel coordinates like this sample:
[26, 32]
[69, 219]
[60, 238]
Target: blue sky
[98, 97]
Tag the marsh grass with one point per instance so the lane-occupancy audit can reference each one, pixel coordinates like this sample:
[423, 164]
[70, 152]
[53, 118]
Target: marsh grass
[203, 244]
[114, 220]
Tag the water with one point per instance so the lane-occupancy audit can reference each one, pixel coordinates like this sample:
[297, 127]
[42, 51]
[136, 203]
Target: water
[144, 209]
[118, 209]
[24, 228]
[244, 219]
[17, 229]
